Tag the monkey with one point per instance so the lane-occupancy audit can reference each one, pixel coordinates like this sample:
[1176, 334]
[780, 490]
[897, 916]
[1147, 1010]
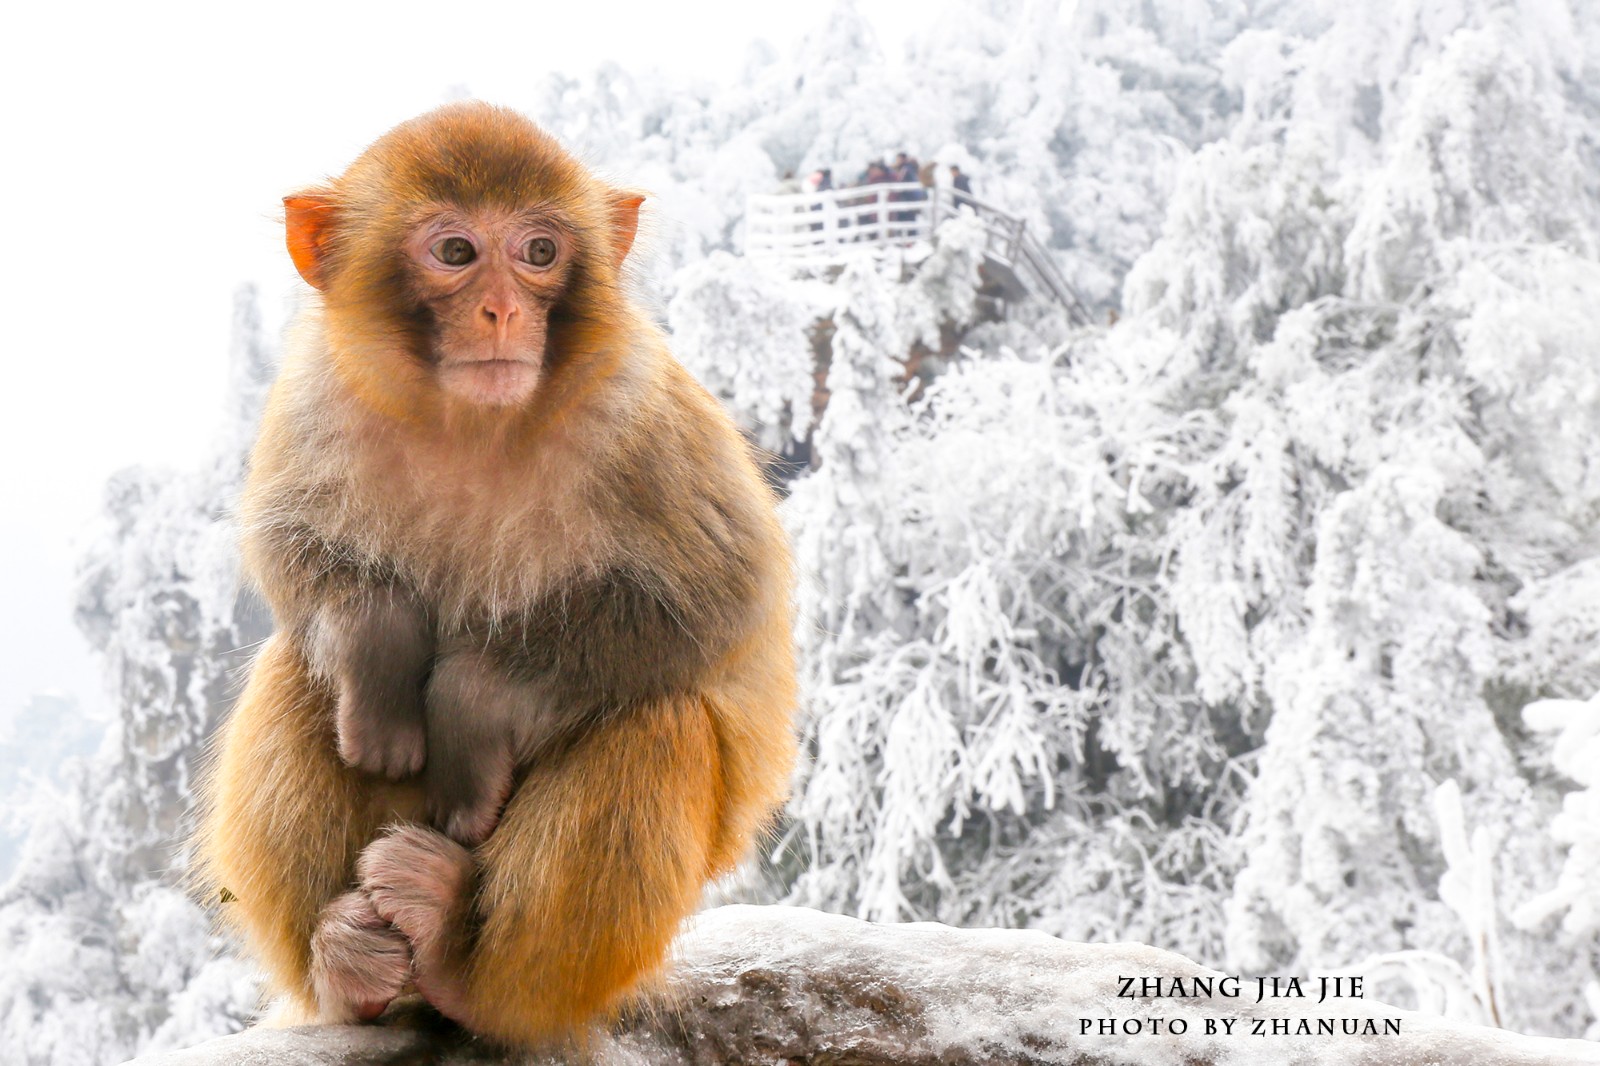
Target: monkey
[532, 684]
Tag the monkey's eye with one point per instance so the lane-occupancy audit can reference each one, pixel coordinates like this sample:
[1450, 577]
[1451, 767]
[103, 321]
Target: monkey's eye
[541, 251]
[454, 251]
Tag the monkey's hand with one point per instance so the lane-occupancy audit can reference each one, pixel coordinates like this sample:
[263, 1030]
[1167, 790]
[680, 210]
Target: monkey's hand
[469, 820]
[359, 962]
[375, 650]
[379, 736]
[422, 882]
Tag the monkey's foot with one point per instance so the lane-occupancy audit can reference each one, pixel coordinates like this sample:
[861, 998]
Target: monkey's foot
[359, 962]
[394, 744]
[421, 881]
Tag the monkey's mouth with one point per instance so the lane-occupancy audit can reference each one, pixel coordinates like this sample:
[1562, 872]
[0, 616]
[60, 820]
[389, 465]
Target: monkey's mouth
[490, 381]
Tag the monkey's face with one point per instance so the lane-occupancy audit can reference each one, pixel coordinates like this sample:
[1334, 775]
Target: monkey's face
[488, 281]
[466, 258]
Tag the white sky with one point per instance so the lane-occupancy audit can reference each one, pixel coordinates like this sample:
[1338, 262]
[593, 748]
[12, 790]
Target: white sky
[146, 151]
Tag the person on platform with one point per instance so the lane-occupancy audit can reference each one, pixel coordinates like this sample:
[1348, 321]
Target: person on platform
[962, 185]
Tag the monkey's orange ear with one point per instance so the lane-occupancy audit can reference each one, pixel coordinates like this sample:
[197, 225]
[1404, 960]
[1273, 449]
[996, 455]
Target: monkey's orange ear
[624, 224]
[308, 220]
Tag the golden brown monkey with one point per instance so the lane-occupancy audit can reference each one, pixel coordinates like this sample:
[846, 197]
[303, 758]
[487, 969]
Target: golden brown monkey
[532, 685]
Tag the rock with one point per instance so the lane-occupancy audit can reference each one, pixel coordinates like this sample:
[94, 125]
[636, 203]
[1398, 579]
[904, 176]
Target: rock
[784, 984]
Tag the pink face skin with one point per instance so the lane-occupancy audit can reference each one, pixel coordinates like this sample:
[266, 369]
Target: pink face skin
[490, 280]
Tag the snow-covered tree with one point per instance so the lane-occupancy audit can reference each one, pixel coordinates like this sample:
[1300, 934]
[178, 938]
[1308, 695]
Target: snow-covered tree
[106, 954]
[744, 333]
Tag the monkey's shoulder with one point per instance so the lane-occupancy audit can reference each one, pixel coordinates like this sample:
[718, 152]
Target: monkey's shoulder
[688, 481]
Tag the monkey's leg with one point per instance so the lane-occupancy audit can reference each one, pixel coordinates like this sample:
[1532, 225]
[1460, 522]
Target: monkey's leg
[375, 646]
[601, 854]
[284, 820]
[752, 711]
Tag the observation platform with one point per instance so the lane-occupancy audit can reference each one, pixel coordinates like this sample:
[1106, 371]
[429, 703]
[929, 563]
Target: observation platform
[818, 230]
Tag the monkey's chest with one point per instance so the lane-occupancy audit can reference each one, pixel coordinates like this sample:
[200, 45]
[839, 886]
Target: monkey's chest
[474, 543]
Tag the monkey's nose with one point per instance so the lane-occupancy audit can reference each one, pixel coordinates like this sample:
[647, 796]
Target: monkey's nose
[499, 310]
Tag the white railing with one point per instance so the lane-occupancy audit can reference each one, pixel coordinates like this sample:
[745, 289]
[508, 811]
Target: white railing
[816, 229]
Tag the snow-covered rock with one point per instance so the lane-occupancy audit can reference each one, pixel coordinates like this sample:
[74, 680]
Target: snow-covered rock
[786, 984]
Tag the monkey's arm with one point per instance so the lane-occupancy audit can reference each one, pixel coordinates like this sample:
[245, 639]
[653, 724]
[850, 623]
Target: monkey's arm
[363, 632]
[375, 646]
[482, 724]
